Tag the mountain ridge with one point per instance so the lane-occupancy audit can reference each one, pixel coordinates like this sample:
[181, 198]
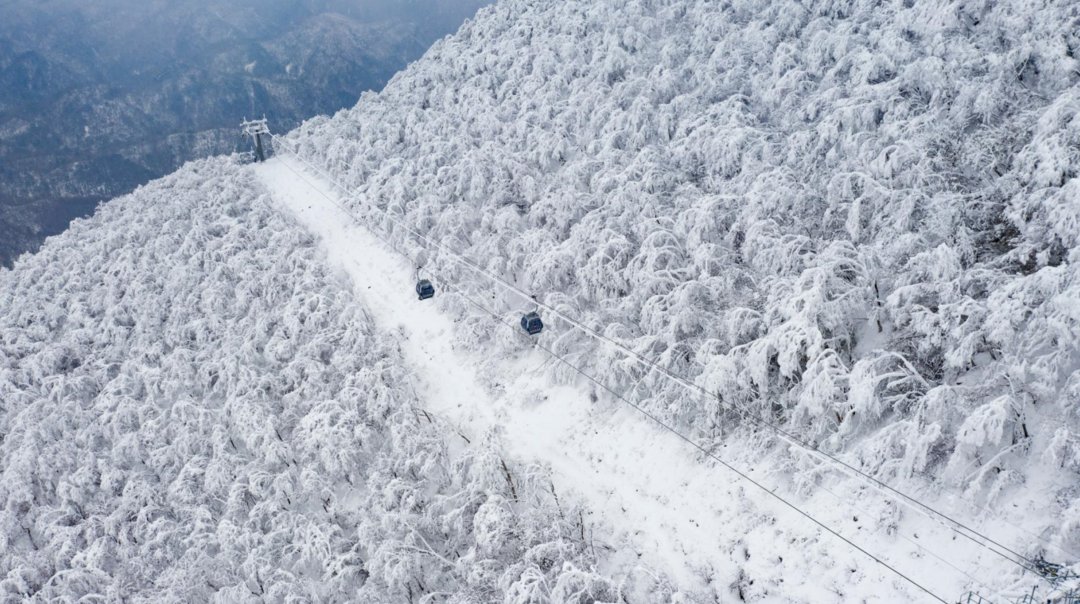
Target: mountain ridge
[855, 223]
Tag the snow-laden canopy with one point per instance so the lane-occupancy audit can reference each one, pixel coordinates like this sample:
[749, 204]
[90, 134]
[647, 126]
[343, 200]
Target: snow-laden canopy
[856, 221]
[191, 408]
[859, 221]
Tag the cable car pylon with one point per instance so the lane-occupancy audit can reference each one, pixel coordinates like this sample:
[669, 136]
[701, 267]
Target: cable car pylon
[256, 129]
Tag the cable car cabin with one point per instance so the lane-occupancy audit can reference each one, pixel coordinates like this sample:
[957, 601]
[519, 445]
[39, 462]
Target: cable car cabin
[425, 289]
[532, 323]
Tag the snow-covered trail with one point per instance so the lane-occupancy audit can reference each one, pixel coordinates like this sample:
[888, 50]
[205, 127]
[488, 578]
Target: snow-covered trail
[660, 500]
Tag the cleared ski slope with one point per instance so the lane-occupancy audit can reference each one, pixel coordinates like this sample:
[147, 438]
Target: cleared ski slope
[652, 496]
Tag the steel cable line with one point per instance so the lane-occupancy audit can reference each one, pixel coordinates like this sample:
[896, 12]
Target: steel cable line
[960, 528]
[499, 319]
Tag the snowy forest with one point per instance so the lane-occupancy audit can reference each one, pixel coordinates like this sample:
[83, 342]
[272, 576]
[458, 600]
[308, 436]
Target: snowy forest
[853, 223]
[194, 410]
[859, 222]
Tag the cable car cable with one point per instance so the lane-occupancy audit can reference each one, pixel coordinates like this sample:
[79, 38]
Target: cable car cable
[1020, 560]
[959, 527]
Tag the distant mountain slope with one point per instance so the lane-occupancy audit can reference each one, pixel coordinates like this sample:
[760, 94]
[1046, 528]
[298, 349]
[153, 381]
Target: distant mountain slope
[194, 410]
[98, 98]
[858, 221]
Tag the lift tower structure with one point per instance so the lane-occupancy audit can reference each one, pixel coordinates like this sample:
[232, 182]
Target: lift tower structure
[256, 129]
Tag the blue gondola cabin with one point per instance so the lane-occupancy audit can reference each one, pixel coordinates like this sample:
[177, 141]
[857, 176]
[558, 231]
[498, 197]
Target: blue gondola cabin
[532, 323]
[425, 289]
